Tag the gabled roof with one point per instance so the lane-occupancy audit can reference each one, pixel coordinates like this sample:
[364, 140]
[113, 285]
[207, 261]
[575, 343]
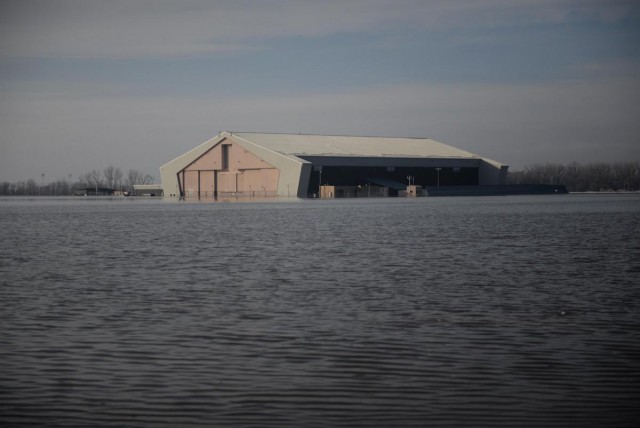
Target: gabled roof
[335, 145]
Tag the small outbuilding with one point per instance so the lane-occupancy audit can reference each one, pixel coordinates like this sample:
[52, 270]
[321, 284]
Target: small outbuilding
[148, 190]
[93, 191]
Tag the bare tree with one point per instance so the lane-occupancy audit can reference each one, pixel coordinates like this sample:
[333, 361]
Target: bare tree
[132, 178]
[31, 186]
[593, 177]
[117, 178]
[84, 180]
[109, 176]
[94, 178]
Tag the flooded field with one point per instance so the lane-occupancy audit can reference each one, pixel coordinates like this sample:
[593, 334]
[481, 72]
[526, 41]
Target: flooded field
[496, 311]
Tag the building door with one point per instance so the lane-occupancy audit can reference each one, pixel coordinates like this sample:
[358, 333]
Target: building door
[215, 183]
[225, 157]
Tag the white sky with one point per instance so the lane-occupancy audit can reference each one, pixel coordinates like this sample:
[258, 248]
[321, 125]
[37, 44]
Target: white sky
[133, 84]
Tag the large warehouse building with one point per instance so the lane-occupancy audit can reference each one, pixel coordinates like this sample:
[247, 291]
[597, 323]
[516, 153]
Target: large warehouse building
[266, 165]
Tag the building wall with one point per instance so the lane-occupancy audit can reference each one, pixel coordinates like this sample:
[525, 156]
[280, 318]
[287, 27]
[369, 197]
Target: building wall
[245, 175]
[329, 192]
[147, 190]
[492, 173]
[293, 172]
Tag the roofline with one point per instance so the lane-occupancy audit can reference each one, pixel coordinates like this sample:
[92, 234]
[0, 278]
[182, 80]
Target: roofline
[195, 148]
[297, 155]
[328, 135]
[291, 156]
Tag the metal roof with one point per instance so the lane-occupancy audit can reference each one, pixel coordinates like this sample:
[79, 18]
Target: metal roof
[335, 145]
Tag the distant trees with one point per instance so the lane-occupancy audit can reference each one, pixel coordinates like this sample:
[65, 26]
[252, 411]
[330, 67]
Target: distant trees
[110, 177]
[113, 177]
[592, 177]
[135, 177]
[93, 179]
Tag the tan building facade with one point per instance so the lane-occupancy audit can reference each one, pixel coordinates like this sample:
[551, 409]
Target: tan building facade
[228, 169]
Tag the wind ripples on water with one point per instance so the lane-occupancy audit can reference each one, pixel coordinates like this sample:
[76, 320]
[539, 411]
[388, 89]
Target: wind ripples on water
[515, 311]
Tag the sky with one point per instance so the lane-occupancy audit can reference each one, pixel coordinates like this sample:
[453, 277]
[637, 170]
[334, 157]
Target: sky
[136, 83]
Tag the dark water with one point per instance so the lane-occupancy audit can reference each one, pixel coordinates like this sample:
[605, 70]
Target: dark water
[510, 311]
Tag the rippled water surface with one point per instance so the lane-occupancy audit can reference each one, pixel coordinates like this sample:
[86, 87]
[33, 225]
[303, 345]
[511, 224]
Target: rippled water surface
[510, 311]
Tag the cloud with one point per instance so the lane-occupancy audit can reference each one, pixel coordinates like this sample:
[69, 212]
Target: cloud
[155, 28]
[61, 117]
[516, 124]
[73, 131]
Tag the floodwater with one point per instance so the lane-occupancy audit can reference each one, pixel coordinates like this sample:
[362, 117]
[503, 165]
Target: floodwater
[488, 311]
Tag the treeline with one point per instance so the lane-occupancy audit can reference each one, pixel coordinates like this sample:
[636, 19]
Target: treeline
[592, 177]
[110, 177]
